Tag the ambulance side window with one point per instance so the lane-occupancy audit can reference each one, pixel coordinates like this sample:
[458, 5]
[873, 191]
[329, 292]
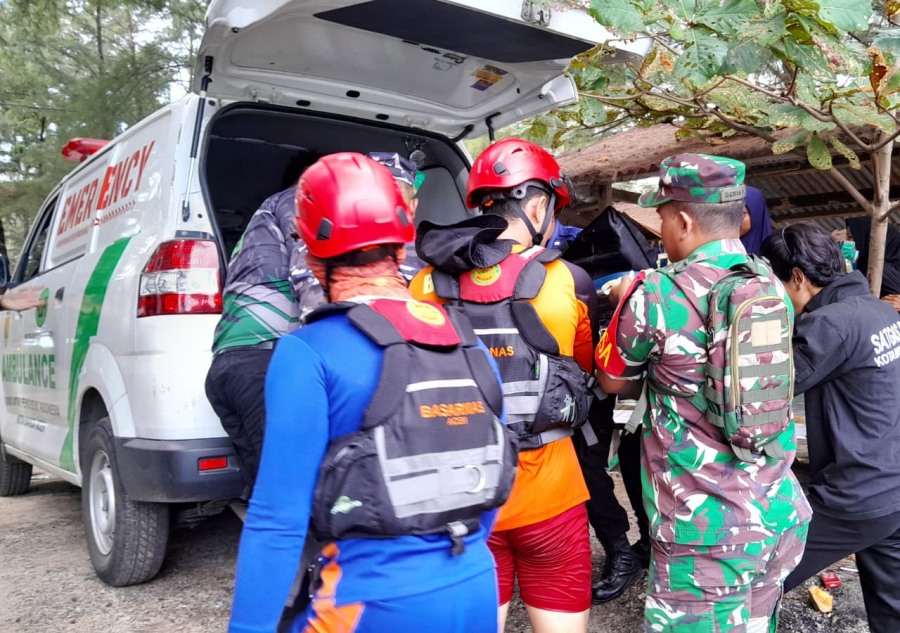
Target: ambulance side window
[33, 255]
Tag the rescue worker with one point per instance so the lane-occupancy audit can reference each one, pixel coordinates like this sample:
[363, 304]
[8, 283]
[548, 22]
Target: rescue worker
[725, 532]
[268, 290]
[354, 398]
[847, 362]
[410, 179]
[494, 261]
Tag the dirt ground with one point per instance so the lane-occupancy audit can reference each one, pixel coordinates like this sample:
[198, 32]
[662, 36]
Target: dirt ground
[47, 583]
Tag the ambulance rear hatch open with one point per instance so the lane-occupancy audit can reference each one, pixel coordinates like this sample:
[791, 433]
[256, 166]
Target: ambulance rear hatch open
[456, 68]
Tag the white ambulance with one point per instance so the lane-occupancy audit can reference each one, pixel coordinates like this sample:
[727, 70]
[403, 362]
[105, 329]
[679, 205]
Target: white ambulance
[104, 386]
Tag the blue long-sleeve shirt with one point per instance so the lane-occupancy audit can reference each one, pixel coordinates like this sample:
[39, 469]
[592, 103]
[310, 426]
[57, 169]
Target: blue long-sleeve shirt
[320, 381]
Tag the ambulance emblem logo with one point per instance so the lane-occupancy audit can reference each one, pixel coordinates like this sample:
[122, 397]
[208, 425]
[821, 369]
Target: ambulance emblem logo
[40, 314]
[486, 276]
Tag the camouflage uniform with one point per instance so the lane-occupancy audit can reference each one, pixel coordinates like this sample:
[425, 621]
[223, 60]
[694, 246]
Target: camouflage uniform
[268, 289]
[725, 532]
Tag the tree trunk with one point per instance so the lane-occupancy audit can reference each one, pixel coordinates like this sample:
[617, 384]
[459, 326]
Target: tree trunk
[98, 21]
[881, 164]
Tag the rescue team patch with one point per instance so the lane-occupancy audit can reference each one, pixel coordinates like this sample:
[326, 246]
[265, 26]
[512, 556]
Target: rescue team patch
[426, 313]
[607, 356]
[456, 413]
[486, 276]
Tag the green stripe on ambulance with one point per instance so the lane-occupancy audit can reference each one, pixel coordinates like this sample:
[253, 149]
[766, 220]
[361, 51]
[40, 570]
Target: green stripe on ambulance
[85, 329]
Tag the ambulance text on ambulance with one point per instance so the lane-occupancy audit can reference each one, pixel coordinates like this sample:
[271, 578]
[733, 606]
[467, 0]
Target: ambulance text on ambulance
[121, 180]
[36, 370]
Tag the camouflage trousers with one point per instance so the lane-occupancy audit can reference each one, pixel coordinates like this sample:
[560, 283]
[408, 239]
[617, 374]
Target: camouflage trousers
[717, 588]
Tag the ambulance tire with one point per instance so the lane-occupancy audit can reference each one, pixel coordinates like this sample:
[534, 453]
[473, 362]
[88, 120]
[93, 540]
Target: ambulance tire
[126, 539]
[15, 476]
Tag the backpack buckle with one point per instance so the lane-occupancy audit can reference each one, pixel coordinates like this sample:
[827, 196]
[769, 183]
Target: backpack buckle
[457, 530]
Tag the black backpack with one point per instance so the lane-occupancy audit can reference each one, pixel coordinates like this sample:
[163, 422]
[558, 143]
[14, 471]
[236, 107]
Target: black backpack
[431, 454]
[547, 395]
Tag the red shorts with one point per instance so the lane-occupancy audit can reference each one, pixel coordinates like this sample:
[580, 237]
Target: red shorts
[552, 560]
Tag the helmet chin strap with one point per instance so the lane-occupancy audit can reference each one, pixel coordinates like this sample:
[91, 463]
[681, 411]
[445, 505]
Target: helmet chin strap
[537, 237]
[513, 199]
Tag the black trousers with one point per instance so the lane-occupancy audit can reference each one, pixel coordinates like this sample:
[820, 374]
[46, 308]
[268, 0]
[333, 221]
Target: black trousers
[876, 543]
[235, 387]
[605, 514]
[630, 466]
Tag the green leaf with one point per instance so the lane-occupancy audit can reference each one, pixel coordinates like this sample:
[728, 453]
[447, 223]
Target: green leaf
[594, 113]
[538, 129]
[684, 9]
[857, 114]
[786, 115]
[817, 153]
[788, 143]
[846, 152]
[730, 16]
[847, 15]
[618, 15]
[767, 30]
[658, 104]
[888, 41]
[703, 58]
[746, 57]
[677, 32]
[893, 84]
[807, 56]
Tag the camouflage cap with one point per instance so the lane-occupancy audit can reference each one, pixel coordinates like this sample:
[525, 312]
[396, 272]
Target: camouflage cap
[697, 178]
[402, 169]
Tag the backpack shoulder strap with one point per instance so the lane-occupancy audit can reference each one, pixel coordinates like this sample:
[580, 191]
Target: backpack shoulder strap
[485, 378]
[390, 321]
[446, 286]
[528, 285]
[327, 309]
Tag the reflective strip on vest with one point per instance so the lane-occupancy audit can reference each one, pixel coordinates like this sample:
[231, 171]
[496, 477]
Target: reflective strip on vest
[522, 398]
[496, 330]
[438, 384]
[432, 483]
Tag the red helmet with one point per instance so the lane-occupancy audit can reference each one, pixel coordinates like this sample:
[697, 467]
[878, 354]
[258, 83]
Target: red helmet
[507, 164]
[347, 201]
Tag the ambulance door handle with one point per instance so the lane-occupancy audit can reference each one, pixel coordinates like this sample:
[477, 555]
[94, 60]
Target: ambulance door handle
[59, 293]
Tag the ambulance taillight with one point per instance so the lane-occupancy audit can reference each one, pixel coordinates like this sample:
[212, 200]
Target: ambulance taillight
[182, 277]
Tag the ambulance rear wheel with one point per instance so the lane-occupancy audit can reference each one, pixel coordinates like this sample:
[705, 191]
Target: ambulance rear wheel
[15, 476]
[126, 539]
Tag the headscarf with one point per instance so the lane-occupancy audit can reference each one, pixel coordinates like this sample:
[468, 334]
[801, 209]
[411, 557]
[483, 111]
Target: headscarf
[760, 223]
[860, 228]
[378, 279]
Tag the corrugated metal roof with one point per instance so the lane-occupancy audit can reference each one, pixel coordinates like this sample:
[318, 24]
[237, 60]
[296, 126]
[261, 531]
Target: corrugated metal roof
[794, 190]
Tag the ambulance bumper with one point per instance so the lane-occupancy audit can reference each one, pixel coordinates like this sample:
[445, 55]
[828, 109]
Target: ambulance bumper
[168, 471]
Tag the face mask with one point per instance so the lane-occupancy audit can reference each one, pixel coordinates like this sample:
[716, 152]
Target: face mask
[848, 250]
[850, 254]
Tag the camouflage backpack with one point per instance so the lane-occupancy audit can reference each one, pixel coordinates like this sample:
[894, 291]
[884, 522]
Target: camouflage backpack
[749, 367]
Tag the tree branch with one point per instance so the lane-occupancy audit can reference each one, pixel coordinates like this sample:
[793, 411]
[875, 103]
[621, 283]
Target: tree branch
[850, 133]
[813, 112]
[793, 85]
[851, 189]
[885, 141]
